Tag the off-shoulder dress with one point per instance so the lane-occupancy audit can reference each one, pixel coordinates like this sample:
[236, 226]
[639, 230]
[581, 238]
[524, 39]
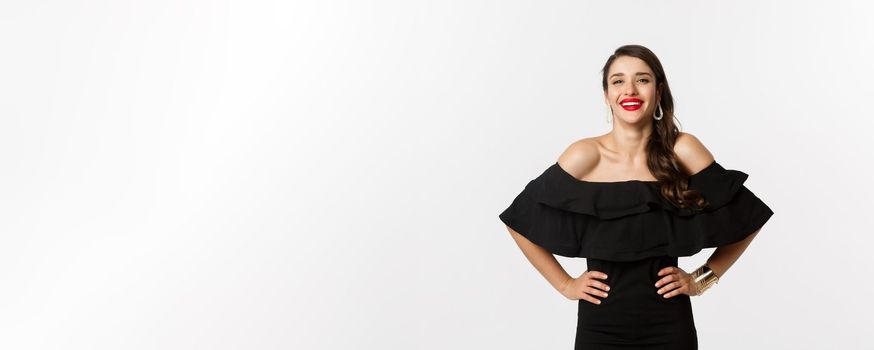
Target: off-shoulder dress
[629, 231]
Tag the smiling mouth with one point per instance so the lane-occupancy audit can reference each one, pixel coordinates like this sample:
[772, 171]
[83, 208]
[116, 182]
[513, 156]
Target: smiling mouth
[631, 106]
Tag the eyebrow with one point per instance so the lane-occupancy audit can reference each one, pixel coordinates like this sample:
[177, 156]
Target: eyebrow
[638, 73]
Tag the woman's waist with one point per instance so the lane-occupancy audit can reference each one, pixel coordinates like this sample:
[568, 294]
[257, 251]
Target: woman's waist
[661, 261]
[625, 274]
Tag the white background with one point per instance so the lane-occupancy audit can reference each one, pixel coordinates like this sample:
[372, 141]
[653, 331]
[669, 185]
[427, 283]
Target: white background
[328, 175]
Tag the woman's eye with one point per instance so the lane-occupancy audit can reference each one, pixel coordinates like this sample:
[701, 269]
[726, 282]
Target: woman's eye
[644, 80]
[616, 81]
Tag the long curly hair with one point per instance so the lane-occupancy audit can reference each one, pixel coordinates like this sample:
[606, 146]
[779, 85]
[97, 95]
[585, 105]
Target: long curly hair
[661, 159]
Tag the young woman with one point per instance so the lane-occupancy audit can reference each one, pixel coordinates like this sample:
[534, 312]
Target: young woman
[631, 202]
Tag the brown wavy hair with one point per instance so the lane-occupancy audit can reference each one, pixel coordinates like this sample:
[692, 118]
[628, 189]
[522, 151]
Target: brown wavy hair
[661, 159]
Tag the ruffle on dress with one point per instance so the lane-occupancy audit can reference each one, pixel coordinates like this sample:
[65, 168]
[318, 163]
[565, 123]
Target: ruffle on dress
[631, 220]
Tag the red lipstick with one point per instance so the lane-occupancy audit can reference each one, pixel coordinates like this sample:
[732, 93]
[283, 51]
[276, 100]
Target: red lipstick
[631, 104]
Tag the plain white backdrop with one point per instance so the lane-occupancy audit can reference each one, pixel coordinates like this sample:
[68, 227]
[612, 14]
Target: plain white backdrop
[329, 174]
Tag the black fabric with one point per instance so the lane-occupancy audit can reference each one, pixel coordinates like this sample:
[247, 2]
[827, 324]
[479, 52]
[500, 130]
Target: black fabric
[634, 315]
[629, 231]
[631, 220]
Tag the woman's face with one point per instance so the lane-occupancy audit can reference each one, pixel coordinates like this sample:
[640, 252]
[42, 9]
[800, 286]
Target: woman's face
[631, 90]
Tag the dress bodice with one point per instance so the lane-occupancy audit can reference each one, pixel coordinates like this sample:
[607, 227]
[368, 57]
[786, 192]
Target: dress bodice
[631, 220]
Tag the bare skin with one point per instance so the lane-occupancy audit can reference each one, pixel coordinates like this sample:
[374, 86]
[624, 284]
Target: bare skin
[545, 263]
[620, 155]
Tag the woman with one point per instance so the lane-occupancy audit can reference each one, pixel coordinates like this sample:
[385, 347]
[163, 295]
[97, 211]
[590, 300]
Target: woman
[631, 202]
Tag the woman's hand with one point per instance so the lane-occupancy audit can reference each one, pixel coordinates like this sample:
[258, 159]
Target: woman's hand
[676, 281]
[585, 286]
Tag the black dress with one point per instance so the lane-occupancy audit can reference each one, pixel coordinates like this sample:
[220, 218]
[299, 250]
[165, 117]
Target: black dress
[629, 231]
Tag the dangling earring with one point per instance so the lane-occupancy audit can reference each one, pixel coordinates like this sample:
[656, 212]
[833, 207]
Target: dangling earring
[661, 113]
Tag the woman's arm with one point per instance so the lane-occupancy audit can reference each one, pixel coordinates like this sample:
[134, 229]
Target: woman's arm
[725, 256]
[543, 261]
[577, 159]
[694, 156]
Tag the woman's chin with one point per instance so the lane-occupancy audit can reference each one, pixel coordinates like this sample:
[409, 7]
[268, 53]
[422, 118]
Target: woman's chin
[633, 118]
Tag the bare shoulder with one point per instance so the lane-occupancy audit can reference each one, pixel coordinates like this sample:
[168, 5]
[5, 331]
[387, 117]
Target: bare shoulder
[580, 157]
[691, 153]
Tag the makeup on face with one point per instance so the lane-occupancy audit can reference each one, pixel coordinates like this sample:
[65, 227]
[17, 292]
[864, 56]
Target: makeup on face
[630, 103]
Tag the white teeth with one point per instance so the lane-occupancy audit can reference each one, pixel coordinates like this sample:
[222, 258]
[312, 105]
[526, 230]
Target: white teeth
[631, 104]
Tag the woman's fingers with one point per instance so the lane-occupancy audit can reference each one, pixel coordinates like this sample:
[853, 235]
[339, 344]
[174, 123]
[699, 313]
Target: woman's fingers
[590, 299]
[603, 287]
[590, 292]
[677, 291]
[669, 287]
[598, 284]
[666, 279]
[595, 274]
[597, 292]
[668, 270]
[675, 283]
[592, 286]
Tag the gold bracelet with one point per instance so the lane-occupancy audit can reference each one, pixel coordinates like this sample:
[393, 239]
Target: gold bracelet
[704, 278]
